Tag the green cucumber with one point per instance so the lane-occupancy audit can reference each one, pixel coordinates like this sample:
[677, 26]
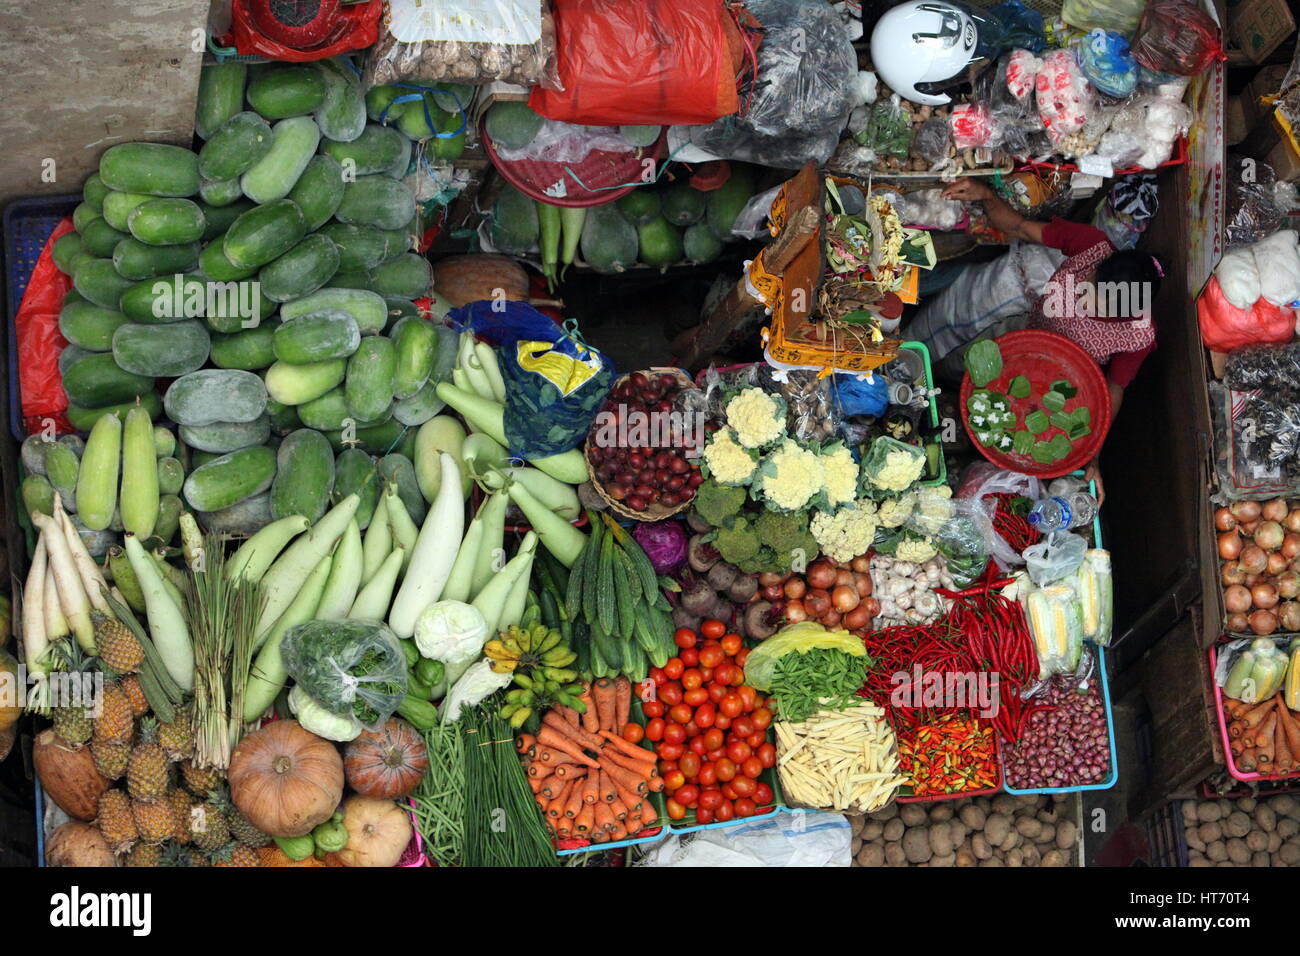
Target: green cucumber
[319, 190]
[250, 349]
[235, 306]
[93, 191]
[215, 395]
[409, 276]
[354, 473]
[300, 271]
[214, 264]
[293, 144]
[161, 351]
[221, 96]
[154, 169]
[342, 114]
[234, 149]
[230, 479]
[90, 326]
[83, 418]
[369, 383]
[99, 282]
[97, 380]
[97, 477]
[291, 384]
[284, 418]
[304, 476]
[330, 413]
[62, 467]
[361, 248]
[264, 233]
[374, 151]
[376, 201]
[165, 299]
[136, 260]
[217, 219]
[99, 239]
[221, 438]
[315, 337]
[216, 193]
[286, 91]
[368, 308]
[171, 476]
[66, 250]
[416, 345]
[119, 206]
[84, 215]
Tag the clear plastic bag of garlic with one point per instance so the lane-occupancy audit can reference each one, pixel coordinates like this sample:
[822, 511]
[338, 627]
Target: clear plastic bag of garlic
[907, 590]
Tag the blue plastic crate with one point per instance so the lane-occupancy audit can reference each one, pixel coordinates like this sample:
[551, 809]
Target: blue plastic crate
[28, 224]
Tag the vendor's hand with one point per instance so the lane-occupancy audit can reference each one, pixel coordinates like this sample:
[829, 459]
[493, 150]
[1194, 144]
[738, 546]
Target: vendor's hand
[968, 190]
[1093, 473]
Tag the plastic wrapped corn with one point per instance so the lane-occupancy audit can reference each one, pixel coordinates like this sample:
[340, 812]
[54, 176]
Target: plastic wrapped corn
[1056, 625]
[1092, 586]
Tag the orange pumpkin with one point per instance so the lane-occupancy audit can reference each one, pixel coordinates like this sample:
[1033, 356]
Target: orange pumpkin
[387, 764]
[285, 779]
[378, 832]
[479, 276]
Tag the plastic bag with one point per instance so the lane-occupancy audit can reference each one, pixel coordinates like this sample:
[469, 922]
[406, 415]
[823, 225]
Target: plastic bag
[1257, 207]
[1021, 26]
[1256, 443]
[39, 342]
[558, 142]
[1063, 95]
[1238, 277]
[752, 221]
[1175, 36]
[809, 839]
[889, 130]
[858, 395]
[1121, 16]
[972, 126]
[1225, 327]
[1278, 260]
[1021, 70]
[927, 209]
[1055, 557]
[1275, 368]
[980, 482]
[811, 412]
[348, 667]
[661, 63]
[464, 41]
[1108, 64]
[1094, 589]
[932, 140]
[555, 382]
[1056, 625]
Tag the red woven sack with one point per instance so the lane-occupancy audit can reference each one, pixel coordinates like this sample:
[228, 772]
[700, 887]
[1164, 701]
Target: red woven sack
[36, 331]
[1225, 327]
[652, 62]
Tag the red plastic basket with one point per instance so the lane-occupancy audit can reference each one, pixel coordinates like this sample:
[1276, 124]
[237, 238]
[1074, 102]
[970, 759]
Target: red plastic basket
[1242, 775]
[352, 27]
[1177, 158]
[1044, 357]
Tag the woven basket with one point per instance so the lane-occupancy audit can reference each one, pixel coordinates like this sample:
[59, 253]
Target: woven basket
[655, 511]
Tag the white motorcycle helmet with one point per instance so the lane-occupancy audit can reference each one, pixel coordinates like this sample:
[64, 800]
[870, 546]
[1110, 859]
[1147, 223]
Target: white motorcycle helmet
[918, 49]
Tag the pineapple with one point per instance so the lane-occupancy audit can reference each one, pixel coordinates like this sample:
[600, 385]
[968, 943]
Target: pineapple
[146, 773]
[73, 725]
[145, 854]
[116, 721]
[111, 758]
[117, 646]
[176, 855]
[200, 781]
[182, 807]
[241, 828]
[208, 830]
[115, 821]
[130, 685]
[154, 820]
[177, 738]
[232, 854]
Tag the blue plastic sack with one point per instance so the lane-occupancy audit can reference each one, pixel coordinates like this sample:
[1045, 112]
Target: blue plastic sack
[1106, 61]
[861, 396]
[1023, 27]
[555, 382]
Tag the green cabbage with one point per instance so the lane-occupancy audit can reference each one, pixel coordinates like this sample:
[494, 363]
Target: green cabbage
[804, 636]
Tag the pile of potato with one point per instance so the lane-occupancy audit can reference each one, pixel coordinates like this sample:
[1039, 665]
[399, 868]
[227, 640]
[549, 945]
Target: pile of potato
[1243, 832]
[1003, 830]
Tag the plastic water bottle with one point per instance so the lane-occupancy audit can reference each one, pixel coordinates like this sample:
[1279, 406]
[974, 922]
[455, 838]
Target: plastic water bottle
[1065, 486]
[1059, 512]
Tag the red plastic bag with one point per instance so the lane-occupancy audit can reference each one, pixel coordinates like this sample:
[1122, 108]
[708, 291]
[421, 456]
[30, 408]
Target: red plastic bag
[1225, 327]
[351, 27]
[651, 62]
[36, 330]
[1175, 36]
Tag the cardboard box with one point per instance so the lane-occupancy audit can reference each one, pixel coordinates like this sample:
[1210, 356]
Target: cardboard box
[1267, 82]
[1258, 27]
[1285, 160]
[1234, 120]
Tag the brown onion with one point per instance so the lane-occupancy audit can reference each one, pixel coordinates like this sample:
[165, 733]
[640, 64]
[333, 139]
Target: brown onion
[1288, 584]
[844, 577]
[1253, 560]
[795, 612]
[863, 583]
[1263, 622]
[1245, 510]
[772, 592]
[795, 588]
[1292, 520]
[1230, 544]
[861, 564]
[817, 602]
[1276, 562]
[1248, 528]
[1264, 596]
[858, 618]
[830, 619]
[1269, 535]
[1236, 599]
[768, 578]
[1253, 579]
[1237, 623]
[821, 574]
[845, 597]
[1225, 520]
[1231, 573]
[1274, 509]
[1288, 615]
[873, 607]
[1291, 546]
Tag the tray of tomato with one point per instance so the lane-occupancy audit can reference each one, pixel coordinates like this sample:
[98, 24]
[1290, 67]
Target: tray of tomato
[711, 733]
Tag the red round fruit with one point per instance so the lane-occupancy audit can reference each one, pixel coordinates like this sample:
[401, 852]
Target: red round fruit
[674, 809]
[671, 694]
[670, 751]
[696, 696]
[762, 718]
[690, 765]
[731, 644]
[731, 706]
[674, 667]
[633, 733]
[745, 807]
[744, 786]
[653, 708]
[705, 713]
[703, 816]
[687, 795]
[674, 733]
[710, 798]
[674, 780]
[717, 692]
[726, 769]
[743, 726]
[654, 729]
[766, 755]
[725, 811]
[752, 767]
[691, 679]
[713, 739]
[696, 746]
[713, 629]
[685, 637]
[690, 657]
[739, 751]
[712, 656]
[748, 696]
[762, 794]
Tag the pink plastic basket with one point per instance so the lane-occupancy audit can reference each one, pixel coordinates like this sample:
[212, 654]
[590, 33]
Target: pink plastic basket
[414, 855]
[1228, 760]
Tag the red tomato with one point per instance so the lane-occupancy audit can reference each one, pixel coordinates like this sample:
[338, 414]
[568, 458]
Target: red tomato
[706, 673]
[745, 807]
[741, 656]
[703, 816]
[705, 714]
[729, 791]
[674, 733]
[688, 795]
[762, 718]
[675, 810]
[633, 733]
[696, 746]
[674, 780]
[722, 673]
[658, 676]
[708, 774]
[739, 751]
[748, 696]
[744, 786]
[713, 629]
[716, 754]
[684, 637]
[717, 691]
[731, 644]
[712, 656]
[710, 798]
[692, 730]
[654, 729]
[695, 696]
[673, 667]
[653, 708]
[731, 706]
[725, 811]
[726, 769]
[762, 794]
[713, 739]
[690, 657]
[671, 694]
[766, 755]
[670, 751]
[681, 713]
[690, 765]
[691, 679]
[722, 722]
[756, 739]
[743, 726]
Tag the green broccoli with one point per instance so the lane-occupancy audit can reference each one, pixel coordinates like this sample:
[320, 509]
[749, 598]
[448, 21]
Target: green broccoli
[782, 536]
[718, 504]
[737, 544]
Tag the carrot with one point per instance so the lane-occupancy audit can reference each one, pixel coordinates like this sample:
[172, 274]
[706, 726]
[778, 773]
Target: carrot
[525, 743]
[574, 803]
[604, 693]
[626, 777]
[584, 739]
[629, 797]
[568, 713]
[604, 818]
[1264, 739]
[549, 737]
[1255, 716]
[619, 808]
[550, 787]
[1236, 728]
[551, 756]
[570, 771]
[555, 809]
[1285, 759]
[622, 702]
[642, 768]
[1286, 721]
[635, 752]
[649, 815]
[1236, 747]
[583, 821]
[1246, 761]
[589, 721]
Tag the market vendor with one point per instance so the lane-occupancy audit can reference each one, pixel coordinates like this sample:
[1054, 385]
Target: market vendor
[1052, 284]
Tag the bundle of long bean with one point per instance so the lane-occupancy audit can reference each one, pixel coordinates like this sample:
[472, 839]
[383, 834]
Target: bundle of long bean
[440, 797]
[503, 826]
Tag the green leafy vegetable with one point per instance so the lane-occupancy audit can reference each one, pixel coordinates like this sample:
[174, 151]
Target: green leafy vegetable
[1036, 421]
[1065, 387]
[1019, 387]
[1054, 401]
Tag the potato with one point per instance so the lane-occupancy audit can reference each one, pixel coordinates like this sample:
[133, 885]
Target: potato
[1290, 853]
[1004, 803]
[979, 845]
[1194, 840]
[1013, 840]
[1217, 851]
[894, 830]
[1210, 832]
[913, 814]
[1238, 852]
[1284, 805]
[1247, 804]
[1067, 835]
[1286, 828]
[991, 861]
[984, 804]
[1208, 812]
[941, 812]
[855, 845]
[1189, 812]
[894, 855]
[1237, 824]
[948, 859]
[1054, 858]
[1031, 856]
[958, 831]
[916, 844]
[871, 854]
[996, 827]
[1265, 818]
[965, 858]
[972, 816]
[857, 821]
[1029, 800]
[886, 813]
[873, 830]
[1259, 859]
[1046, 836]
[1029, 827]
[1199, 861]
[1047, 816]
[941, 839]
[1274, 841]
[1015, 858]
[1256, 841]
[1225, 863]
